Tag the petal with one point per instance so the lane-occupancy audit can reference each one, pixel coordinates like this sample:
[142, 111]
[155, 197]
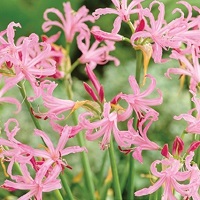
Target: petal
[11, 31]
[73, 149]
[134, 85]
[116, 25]
[46, 139]
[63, 139]
[151, 189]
[49, 23]
[12, 101]
[103, 11]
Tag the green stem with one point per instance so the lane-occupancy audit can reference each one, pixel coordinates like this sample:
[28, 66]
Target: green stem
[138, 65]
[80, 138]
[101, 173]
[131, 160]
[28, 105]
[117, 189]
[127, 40]
[131, 26]
[73, 66]
[85, 163]
[66, 187]
[58, 195]
[131, 178]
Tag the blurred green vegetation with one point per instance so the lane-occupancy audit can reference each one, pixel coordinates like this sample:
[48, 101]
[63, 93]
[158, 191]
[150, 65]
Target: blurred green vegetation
[29, 13]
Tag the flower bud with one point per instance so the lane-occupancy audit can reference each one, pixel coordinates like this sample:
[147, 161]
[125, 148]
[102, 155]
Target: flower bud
[178, 146]
[193, 146]
[165, 151]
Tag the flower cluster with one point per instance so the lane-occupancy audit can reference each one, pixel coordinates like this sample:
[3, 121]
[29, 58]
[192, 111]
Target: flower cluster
[43, 65]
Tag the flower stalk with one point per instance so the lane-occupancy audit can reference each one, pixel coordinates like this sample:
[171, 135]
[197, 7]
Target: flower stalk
[131, 178]
[66, 187]
[115, 175]
[80, 138]
[85, 163]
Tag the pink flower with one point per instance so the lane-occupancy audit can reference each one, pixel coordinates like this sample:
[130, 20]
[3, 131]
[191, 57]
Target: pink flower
[71, 22]
[193, 122]
[194, 184]
[8, 49]
[169, 177]
[56, 107]
[41, 183]
[141, 141]
[95, 54]
[104, 127]
[31, 62]
[137, 101]
[16, 152]
[170, 35]
[191, 67]
[29, 59]
[34, 62]
[122, 10]
[55, 155]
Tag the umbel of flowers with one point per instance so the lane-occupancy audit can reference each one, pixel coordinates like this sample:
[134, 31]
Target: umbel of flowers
[43, 65]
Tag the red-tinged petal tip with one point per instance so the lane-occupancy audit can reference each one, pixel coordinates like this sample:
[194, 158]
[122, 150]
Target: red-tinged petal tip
[90, 91]
[165, 151]
[193, 146]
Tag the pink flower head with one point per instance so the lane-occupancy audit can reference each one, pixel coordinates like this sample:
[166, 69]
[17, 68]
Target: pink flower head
[56, 107]
[164, 35]
[121, 9]
[194, 184]
[104, 127]
[170, 177]
[193, 122]
[191, 67]
[71, 22]
[96, 54]
[138, 101]
[53, 154]
[35, 63]
[141, 141]
[8, 49]
[16, 152]
[31, 62]
[41, 183]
